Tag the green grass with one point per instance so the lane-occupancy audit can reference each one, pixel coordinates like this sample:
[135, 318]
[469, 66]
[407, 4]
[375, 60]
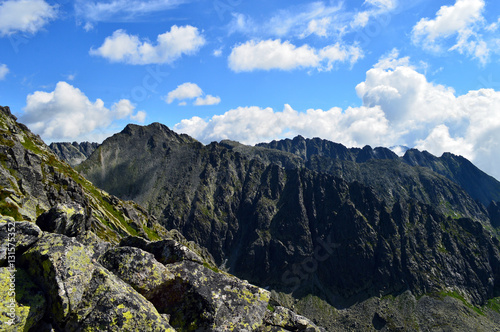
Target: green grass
[8, 209]
[459, 297]
[494, 304]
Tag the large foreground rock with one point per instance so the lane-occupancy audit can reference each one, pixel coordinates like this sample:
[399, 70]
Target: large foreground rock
[83, 295]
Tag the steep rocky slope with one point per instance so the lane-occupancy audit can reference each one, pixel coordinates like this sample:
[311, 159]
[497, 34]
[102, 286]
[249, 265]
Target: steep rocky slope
[267, 218]
[74, 258]
[73, 153]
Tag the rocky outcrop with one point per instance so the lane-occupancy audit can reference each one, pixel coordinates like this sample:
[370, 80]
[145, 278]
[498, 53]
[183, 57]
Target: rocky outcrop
[59, 286]
[73, 153]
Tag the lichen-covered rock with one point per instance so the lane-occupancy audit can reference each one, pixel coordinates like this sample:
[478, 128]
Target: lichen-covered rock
[109, 304]
[62, 267]
[16, 236]
[81, 294]
[22, 303]
[284, 319]
[199, 299]
[94, 245]
[165, 251]
[137, 268]
[69, 219]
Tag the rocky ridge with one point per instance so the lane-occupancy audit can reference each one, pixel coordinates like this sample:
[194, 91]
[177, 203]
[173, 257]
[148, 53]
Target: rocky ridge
[73, 153]
[74, 258]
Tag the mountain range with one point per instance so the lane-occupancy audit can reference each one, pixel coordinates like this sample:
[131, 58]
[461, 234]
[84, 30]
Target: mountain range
[309, 217]
[192, 237]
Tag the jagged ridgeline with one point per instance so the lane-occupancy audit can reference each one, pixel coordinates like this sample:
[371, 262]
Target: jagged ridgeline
[329, 225]
[74, 258]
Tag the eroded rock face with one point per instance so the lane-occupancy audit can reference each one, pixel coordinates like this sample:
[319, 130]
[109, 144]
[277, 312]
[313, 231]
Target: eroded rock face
[69, 219]
[137, 268]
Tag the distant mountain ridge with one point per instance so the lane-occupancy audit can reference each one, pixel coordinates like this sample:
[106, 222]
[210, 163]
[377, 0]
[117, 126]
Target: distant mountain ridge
[73, 153]
[478, 184]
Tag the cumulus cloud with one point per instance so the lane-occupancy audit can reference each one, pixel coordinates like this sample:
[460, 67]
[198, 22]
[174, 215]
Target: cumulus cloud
[171, 45]
[463, 23]
[25, 16]
[67, 114]
[449, 20]
[4, 70]
[405, 95]
[190, 90]
[275, 54]
[207, 100]
[120, 10]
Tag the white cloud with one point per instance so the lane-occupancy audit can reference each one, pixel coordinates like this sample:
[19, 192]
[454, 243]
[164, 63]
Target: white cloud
[140, 117]
[122, 47]
[463, 23]
[250, 125]
[275, 54]
[318, 27]
[67, 114]
[25, 16]
[297, 20]
[217, 52]
[407, 98]
[376, 8]
[449, 21]
[440, 140]
[190, 90]
[120, 10]
[184, 91]
[4, 70]
[207, 100]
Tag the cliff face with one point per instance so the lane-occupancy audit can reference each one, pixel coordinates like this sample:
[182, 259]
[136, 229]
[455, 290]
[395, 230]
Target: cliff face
[73, 153]
[74, 258]
[376, 227]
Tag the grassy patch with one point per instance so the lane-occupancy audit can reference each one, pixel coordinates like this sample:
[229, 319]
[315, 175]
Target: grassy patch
[494, 304]
[208, 266]
[8, 209]
[459, 297]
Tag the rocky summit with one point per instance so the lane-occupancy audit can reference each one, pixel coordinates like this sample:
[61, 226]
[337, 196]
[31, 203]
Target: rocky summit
[155, 231]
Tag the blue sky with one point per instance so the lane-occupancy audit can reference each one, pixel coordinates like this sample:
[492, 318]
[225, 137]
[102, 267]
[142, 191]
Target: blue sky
[423, 74]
